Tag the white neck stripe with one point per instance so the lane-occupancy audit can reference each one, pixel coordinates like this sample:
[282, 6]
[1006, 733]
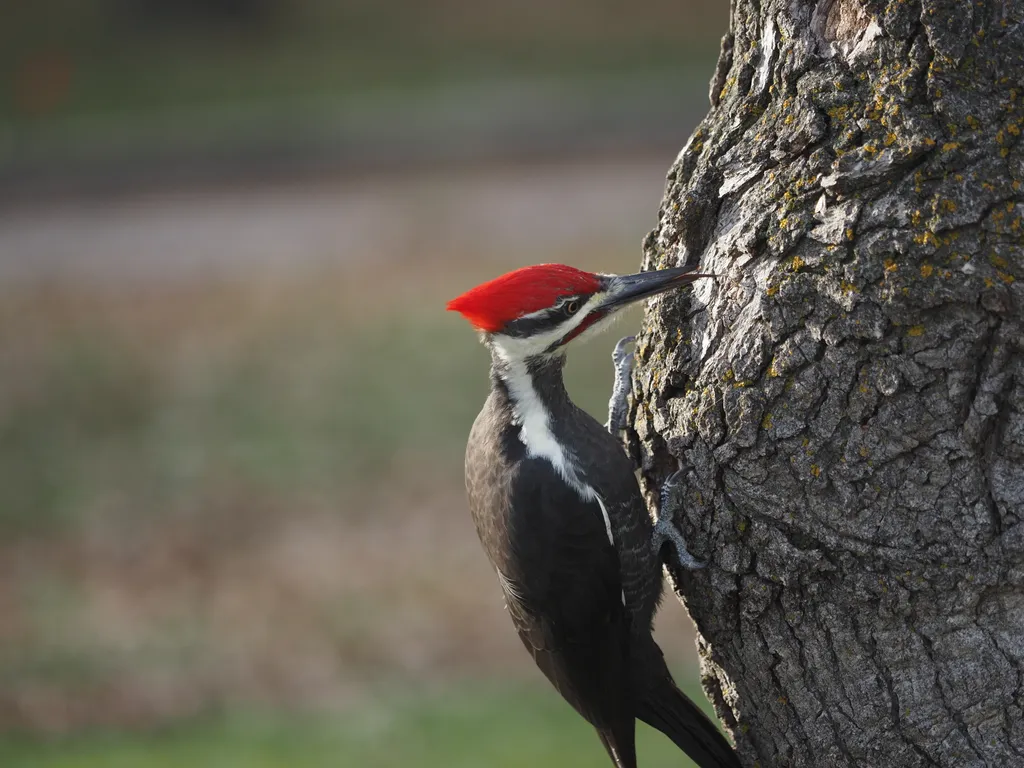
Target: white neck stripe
[535, 433]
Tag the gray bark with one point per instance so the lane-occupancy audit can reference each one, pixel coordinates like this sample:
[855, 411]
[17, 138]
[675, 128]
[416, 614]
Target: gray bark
[848, 395]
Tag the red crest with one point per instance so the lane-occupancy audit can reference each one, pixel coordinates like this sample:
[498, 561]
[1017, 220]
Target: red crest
[490, 305]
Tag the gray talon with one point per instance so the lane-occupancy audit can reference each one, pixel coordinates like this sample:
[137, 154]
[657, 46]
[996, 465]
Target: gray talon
[620, 353]
[665, 529]
[618, 405]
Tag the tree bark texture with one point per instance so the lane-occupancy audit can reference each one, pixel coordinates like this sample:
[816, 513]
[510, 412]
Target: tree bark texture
[847, 397]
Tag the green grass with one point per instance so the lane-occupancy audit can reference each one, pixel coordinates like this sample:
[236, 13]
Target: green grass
[463, 727]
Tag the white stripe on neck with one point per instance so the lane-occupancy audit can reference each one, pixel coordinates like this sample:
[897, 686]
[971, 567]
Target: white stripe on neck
[535, 433]
[535, 422]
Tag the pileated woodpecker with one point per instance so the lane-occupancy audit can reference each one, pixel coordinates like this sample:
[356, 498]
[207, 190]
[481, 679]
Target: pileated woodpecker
[559, 512]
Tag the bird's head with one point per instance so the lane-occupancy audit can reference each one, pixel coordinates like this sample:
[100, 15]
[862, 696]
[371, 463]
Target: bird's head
[536, 310]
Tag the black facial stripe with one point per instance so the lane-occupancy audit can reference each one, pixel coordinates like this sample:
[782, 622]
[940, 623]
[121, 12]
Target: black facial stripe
[546, 321]
[528, 326]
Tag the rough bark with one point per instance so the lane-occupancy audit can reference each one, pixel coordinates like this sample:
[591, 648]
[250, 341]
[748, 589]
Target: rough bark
[848, 395]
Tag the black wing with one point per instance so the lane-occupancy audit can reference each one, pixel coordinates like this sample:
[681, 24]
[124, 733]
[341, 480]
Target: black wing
[562, 585]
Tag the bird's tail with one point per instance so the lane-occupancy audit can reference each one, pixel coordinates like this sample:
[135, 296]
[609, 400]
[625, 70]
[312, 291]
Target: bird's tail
[668, 709]
[621, 749]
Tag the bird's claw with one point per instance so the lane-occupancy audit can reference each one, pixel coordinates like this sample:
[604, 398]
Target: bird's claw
[665, 529]
[621, 354]
[618, 405]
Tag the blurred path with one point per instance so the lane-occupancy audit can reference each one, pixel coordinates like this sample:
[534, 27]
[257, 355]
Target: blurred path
[517, 213]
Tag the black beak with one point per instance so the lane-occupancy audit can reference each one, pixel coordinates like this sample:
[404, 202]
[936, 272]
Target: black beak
[625, 289]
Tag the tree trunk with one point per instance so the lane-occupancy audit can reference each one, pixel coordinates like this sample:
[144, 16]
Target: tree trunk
[848, 395]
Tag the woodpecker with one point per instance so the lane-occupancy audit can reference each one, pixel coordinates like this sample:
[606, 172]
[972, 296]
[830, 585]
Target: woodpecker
[559, 512]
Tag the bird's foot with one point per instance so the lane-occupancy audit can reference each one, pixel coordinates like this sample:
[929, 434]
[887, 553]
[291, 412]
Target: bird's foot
[618, 405]
[665, 529]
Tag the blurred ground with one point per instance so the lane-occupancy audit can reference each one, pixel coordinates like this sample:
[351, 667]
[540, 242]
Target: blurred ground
[507, 726]
[430, 221]
[232, 408]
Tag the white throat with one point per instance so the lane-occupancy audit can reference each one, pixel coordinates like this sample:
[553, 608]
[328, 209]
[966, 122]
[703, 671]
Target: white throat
[534, 420]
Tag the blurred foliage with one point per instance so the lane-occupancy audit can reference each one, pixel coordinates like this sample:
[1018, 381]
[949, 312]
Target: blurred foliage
[464, 726]
[61, 58]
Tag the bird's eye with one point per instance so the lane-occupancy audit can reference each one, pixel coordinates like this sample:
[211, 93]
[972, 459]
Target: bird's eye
[572, 307]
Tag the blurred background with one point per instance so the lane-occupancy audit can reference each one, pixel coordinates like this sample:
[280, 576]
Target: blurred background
[232, 408]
